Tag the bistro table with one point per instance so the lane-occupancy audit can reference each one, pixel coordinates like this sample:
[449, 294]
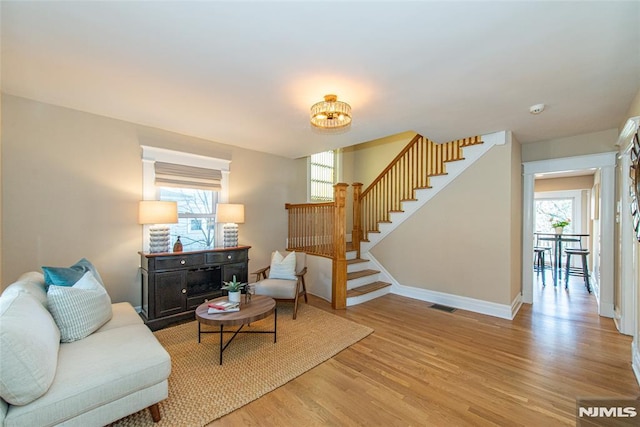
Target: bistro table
[557, 239]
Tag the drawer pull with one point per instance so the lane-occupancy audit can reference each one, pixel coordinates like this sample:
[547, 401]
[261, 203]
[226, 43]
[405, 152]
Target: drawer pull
[183, 262]
[228, 256]
[184, 291]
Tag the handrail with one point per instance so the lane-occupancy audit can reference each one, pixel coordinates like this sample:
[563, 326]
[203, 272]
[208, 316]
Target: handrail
[311, 228]
[320, 229]
[390, 165]
[408, 171]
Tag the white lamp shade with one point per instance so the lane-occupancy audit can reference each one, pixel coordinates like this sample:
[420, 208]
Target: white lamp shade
[157, 212]
[229, 212]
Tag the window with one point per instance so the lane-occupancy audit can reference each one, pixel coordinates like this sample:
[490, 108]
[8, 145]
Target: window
[196, 216]
[196, 183]
[556, 206]
[549, 211]
[322, 173]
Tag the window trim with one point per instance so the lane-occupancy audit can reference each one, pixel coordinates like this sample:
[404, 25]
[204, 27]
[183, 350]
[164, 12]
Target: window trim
[337, 172]
[149, 190]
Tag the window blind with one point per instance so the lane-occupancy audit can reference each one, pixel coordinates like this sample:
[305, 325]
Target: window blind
[174, 175]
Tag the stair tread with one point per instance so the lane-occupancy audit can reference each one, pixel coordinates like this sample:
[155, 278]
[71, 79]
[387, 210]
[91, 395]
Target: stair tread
[368, 288]
[356, 260]
[359, 274]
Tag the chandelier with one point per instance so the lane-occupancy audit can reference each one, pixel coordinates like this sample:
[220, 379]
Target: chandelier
[331, 113]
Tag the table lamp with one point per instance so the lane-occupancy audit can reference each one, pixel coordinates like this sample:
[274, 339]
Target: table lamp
[158, 214]
[231, 215]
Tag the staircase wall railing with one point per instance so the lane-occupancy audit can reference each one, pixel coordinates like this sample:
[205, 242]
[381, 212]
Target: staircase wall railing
[409, 171]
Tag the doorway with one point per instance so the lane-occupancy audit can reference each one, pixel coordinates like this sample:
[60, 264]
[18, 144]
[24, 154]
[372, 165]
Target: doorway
[605, 162]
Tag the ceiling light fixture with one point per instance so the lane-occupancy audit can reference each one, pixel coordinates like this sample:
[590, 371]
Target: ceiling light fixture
[331, 113]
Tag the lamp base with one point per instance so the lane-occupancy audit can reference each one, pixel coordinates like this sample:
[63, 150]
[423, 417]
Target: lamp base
[230, 235]
[159, 239]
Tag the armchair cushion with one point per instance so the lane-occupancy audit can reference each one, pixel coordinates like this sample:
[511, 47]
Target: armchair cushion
[283, 267]
[277, 288]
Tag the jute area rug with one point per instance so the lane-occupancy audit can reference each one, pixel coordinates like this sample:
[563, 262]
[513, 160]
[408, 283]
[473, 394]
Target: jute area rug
[200, 390]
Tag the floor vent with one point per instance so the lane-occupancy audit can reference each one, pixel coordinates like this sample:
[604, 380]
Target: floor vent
[443, 308]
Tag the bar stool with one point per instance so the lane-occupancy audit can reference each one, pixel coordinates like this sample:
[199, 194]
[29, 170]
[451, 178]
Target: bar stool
[584, 271]
[539, 260]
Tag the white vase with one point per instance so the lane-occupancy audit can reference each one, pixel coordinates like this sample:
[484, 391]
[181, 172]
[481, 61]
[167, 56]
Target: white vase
[559, 230]
[234, 296]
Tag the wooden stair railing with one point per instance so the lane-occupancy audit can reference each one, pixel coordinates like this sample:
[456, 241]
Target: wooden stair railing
[408, 172]
[320, 229]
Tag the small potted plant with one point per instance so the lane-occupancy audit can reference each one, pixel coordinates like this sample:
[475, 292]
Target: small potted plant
[234, 288]
[560, 225]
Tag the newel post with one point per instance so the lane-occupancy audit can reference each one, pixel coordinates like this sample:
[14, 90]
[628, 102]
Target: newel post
[339, 276]
[356, 233]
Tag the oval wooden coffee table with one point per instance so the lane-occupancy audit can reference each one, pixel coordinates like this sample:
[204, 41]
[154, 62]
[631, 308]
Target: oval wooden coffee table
[258, 308]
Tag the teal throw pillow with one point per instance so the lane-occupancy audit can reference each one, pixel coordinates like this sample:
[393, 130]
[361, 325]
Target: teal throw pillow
[68, 276]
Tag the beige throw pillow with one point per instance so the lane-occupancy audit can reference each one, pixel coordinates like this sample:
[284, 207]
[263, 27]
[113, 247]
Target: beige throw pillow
[81, 309]
[283, 267]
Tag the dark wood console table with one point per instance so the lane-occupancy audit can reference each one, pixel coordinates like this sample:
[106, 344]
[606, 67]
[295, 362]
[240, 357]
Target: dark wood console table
[174, 284]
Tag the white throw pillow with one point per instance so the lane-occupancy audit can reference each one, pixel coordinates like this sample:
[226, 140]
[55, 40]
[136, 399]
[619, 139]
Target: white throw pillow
[283, 267]
[29, 343]
[81, 309]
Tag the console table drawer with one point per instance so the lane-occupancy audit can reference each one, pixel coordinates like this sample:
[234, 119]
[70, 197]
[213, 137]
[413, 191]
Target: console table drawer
[224, 257]
[172, 262]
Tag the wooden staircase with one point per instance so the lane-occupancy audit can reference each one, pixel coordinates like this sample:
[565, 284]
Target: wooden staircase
[363, 282]
[419, 172]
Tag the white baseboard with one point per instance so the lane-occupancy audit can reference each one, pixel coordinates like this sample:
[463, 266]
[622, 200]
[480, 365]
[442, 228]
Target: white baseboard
[464, 303]
[503, 311]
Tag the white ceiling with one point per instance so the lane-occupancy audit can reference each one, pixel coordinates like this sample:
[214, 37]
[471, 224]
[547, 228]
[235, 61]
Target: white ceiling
[246, 73]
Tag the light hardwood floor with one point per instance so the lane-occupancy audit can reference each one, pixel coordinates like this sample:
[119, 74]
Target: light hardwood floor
[424, 367]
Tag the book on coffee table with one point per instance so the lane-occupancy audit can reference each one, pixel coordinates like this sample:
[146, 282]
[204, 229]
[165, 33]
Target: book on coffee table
[222, 307]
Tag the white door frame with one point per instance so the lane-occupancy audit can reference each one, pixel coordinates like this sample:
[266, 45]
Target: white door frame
[626, 316]
[606, 162]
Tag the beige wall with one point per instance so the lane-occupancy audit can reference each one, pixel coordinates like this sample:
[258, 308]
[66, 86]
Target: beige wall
[1, 97]
[467, 240]
[71, 183]
[369, 159]
[591, 143]
[364, 162]
[569, 183]
[516, 219]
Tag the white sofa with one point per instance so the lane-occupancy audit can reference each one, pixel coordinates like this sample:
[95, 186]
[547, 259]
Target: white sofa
[119, 369]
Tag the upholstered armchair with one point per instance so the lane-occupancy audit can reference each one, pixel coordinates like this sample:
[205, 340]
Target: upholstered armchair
[283, 280]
